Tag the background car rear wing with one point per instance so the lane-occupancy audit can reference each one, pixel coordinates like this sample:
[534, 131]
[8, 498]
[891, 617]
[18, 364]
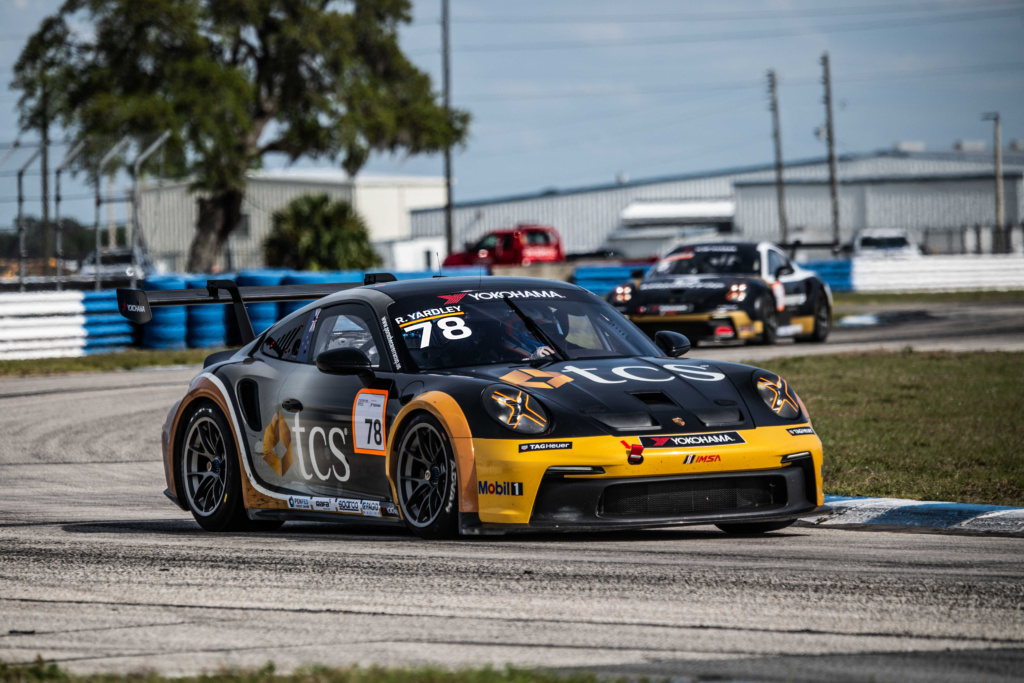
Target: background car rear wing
[136, 304]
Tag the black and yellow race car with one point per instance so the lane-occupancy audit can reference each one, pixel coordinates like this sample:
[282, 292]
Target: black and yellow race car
[476, 405]
[728, 291]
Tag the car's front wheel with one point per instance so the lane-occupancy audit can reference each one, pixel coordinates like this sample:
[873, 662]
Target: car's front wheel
[427, 480]
[753, 528]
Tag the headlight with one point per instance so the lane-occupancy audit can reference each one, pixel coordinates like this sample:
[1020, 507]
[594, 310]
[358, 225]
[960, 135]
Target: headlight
[622, 294]
[515, 409]
[777, 394]
[737, 292]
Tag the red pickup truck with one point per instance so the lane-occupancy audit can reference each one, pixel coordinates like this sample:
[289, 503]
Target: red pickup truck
[518, 246]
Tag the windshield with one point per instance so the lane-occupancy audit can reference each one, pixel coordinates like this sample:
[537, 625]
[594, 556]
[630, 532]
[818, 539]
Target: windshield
[884, 242]
[711, 259]
[480, 328]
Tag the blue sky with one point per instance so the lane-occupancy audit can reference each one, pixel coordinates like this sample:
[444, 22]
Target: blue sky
[580, 91]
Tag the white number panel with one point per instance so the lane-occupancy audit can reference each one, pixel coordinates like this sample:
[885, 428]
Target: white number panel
[368, 421]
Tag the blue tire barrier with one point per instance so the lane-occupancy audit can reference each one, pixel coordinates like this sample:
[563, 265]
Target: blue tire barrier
[205, 325]
[602, 279]
[169, 327]
[314, 278]
[100, 302]
[838, 274]
[106, 331]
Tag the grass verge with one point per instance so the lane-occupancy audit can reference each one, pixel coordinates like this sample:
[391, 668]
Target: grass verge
[125, 360]
[927, 426]
[843, 299]
[41, 672]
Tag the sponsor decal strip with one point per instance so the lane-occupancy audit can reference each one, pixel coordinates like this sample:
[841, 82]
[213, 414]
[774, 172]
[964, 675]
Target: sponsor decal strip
[545, 446]
[693, 440]
[694, 458]
[799, 431]
[499, 488]
[391, 342]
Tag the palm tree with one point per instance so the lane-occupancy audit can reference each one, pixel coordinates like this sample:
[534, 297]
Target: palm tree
[314, 233]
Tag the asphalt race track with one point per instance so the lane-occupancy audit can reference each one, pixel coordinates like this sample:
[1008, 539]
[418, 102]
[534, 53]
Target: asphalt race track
[99, 572]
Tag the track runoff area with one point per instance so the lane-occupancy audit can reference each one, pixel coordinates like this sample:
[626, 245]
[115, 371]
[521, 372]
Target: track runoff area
[101, 573]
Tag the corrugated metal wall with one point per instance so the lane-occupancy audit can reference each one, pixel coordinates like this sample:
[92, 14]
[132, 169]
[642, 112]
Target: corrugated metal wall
[912, 205]
[586, 217]
[168, 216]
[168, 212]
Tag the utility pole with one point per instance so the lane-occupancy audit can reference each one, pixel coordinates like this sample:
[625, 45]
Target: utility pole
[1000, 216]
[830, 133]
[449, 235]
[780, 188]
[45, 166]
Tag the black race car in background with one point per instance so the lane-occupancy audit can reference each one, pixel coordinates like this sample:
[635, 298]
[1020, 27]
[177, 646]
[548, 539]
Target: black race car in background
[728, 291]
[476, 405]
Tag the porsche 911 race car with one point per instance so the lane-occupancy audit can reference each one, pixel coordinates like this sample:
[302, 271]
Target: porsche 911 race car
[476, 405]
[728, 291]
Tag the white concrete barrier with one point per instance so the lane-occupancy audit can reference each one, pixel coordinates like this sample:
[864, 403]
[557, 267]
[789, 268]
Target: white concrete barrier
[939, 273]
[60, 324]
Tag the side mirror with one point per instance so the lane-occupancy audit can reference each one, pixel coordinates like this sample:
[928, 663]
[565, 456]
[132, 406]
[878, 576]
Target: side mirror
[783, 270]
[345, 362]
[672, 343]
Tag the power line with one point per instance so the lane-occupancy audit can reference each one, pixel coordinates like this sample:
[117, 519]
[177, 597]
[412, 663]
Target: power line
[855, 10]
[694, 39]
[748, 84]
[646, 128]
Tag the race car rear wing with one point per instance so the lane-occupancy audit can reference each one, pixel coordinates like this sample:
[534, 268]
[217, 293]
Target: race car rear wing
[136, 304]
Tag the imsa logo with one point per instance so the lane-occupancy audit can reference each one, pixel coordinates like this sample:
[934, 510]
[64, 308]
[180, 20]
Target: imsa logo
[496, 488]
[694, 458]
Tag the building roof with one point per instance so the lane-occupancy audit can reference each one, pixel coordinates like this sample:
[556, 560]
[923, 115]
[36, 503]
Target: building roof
[337, 176]
[887, 164]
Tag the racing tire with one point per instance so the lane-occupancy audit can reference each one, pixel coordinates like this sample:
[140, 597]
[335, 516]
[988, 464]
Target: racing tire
[211, 482]
[427, 479]
[822, 322]
[753, 528]
[765, 309]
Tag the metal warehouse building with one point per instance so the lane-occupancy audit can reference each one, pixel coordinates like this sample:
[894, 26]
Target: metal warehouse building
[168, 211]
[938, 196]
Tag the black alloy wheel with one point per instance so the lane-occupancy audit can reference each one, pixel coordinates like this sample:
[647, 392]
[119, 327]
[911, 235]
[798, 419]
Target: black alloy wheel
[427, 480]
[210, 478]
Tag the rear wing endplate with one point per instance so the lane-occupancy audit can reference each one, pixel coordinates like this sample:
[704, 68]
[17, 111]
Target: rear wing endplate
[136, 305]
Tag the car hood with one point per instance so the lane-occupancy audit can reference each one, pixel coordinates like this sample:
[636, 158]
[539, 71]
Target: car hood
[630, 395]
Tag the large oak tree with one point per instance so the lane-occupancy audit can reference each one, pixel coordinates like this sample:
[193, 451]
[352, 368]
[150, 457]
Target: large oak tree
[233, 80]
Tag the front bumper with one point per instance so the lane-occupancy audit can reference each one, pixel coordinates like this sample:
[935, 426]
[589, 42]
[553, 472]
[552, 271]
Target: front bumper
[702, 325]
[773, 476]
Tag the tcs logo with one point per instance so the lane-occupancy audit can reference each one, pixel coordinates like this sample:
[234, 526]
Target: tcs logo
[536, 379]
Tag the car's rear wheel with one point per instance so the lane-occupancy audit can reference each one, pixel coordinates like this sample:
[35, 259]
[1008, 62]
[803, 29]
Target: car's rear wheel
[753, 528]
[822, 321]
[769, 320]
[210, 476]
[427, 480]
